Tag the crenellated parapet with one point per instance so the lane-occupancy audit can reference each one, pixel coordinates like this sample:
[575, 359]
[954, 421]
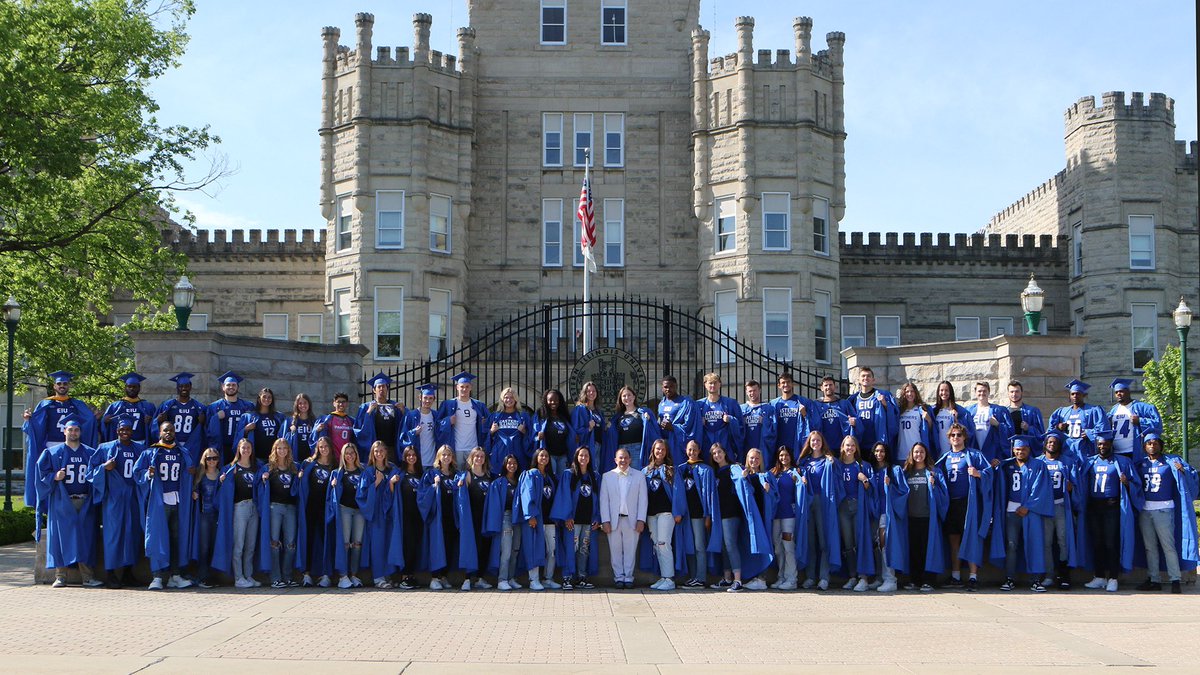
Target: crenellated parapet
[926, 247]
[241, 244]
[1113, 106]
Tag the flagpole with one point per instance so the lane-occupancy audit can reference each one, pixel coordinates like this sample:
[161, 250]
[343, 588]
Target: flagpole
[587, 277]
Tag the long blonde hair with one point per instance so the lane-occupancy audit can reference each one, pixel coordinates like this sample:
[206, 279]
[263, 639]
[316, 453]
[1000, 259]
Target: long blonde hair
[448, 452]
[289, 465]
[201, 470]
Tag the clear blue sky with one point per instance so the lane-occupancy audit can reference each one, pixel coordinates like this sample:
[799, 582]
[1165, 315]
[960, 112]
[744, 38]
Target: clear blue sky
[954, 110]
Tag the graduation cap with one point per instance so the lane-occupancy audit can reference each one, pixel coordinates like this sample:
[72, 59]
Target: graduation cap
[183, 378]
[1120, 383]
[1151, 436]
[463, 378]
[61, 376]
[230, 377]
[1021, 441]
[379, 379]
[69, 421]
[1075, 386]
[1106, 434]
[428, 389]
[131, 378]
[125, 421]
[1055, 433]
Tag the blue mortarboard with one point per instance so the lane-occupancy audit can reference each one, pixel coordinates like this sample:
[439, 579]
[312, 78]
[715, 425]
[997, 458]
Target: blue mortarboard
[1077, 386]
[131, 378]
[1056, 434]
[380, 379]
[230, 377]
[1106, 434]
[61, 376]
[69, 421]
[183, 378]
[1021, 441]
[463, 378]
[1151, 436]
[428, 389]
[125, 421]
[1120, 383]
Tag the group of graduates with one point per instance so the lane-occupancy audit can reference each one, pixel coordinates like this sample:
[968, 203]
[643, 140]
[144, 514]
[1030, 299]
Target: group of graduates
[867, 488]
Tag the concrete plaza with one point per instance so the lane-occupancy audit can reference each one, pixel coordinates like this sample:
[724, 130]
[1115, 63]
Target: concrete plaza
[642, 631]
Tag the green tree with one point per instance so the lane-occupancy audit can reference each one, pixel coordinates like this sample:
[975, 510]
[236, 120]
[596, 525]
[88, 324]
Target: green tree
[1161, 380]
[87, 174]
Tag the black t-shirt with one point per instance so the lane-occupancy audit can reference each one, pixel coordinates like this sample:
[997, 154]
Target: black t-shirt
[243, 483]
[266, 432]
[584, 508]
[350, 483]
[387, 423]
[410, 483]
[548, 486]
[629, 429]
[508, 497]
[318, 480]
[727, 497]
[477, 491]
[756, 484]
[303, 429]
[447, 494]
[281, 487]
[691, 486]
[657, 500]
[555, 436]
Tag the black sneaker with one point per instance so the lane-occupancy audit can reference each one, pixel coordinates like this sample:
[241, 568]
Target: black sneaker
[735, 587]
[1064, 584]
[910, 586]
[693, 583]
[567, 584]
[972, 584]
[406, 585]
[584, 584]
[114, 582]
[1037, 587]
[725, 584]
[1149, 585]
[1176, 588]
[1008, 584]
[279, 583]
[954, 583]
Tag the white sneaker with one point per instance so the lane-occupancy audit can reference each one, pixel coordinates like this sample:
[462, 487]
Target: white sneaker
[466, 585]
[435, 584]
[515, 585]
[535, 585]
[323, 582]
[823, 584]
[254, 582]
[887, 587]
[243, 583]
[756, 584]
[861, 586]
[183, 582]
[874, 584]
[654, 586]
[1096, 582]
[173, 581]
[482, 584]
[156, 584]
[788, 586]
[345, 582]
[808, 583]
[552, 584]
[775, 586]
[356, 582]
[850, 583]
[1048, 582]
[1112, 586]
[307, 580]
[666, 585]
[503, 586]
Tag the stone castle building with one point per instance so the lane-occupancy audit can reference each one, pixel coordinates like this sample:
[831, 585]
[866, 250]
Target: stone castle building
[450, 182]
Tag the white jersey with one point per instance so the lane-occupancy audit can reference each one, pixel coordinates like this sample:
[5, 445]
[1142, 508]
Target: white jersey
[428, 442]
[465, 438]
[1122, 424]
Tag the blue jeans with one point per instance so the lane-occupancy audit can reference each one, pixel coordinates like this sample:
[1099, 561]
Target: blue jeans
[700, 557]
[245, 538]
[283, 540]
[510, 544]
[559, 464]
[206, 525]
[818, 548]
[731, 528]
[176, 556]
[353, 526]
[1158, 529]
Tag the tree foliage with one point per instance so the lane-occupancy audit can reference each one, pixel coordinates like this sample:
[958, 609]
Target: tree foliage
[1161, 380]
[87, 174]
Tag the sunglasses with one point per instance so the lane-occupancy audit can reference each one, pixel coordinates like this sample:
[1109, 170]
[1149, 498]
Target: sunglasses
[960, 435]
[210, 459]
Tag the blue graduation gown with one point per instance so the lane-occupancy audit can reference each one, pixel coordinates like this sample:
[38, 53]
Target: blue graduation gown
[141, 410]
[646, 558]
[1082, 424]
[1187, 489]
[714, 429]
[791, 427]
[607, 461]
[410, 434]
[303, 431]
[468, 553]
[281, 425]
[822, 497]
[865, 521]
[1130, 502]
[158, 535]
[1074, 499]
[706, 485]
[566, 501]
[189, 422]
[493, 520]
[1036, 494]
[333, 519]
[323, 422]
[758, 550]
[875, 422]
[116, 492]
[364, 425]
[896, 501]
[46, 415]
[377, 504]
[685, 426]
[321, 538]
[509, 439]
[832, 419]
[977, 522]
[70, 534]
[758, 430]
[429, 501]
[1032, 416]
[995, 443]
[223, 542]
[445, 413]
[591, 438]
[222, 433]
[528, 504]
[939, 430]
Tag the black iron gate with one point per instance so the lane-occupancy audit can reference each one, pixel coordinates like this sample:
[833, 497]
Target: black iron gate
[541, 348]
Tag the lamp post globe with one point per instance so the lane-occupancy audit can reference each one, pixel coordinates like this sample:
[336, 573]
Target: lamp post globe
[183, 296]
[1032, 299]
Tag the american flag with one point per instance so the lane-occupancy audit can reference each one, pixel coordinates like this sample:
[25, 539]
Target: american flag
[587, 225]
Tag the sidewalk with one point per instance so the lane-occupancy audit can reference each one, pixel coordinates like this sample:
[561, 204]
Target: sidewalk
[367, 631]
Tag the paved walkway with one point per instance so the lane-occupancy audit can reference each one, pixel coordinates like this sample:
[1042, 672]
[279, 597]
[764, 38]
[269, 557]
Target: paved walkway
[367, 631]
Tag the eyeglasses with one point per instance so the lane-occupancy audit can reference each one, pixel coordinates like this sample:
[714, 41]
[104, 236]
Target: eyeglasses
[958, 434]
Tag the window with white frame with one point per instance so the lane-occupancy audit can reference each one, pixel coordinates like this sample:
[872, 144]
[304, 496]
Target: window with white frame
[1000, 325]
[614, 139]
[820, 225]
[1077, 248]
[1141, 242]
[725, 225]
[887, 331]
[341, 316]
[552, 139]
[854, 331]
[823, 301]
[554, 22]
[966, 328]
[559, 330]
[725, 313]
[777, 322]
[389, 322]
[389, 219]
[777, 221]
[577, 256]
[1144, 320]
[309, 327]
[342, 236]
[275, 326]
[552, 232]
[582, 128]
[1078, 321]
[612, 328]
[439, 223]
[439, 323]
[612, 22]
[614, 232]
[198, 322]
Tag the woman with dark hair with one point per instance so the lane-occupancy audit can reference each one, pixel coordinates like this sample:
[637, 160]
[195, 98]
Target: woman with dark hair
[299, 429]
[631, 428]
[916, 424]
[783, 523]
[916, 504]
[535, 496]
[413, 532]
[577, 507]
[264, 426]
[315, 554]
[886, 582]
[553, 431]
[946, 412]
[498, 522]
[586, 419]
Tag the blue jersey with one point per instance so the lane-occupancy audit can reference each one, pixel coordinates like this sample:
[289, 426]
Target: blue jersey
[207, 491]
[76, 468]
[957, 479]
[185, 417]
[787, 418]
[126, 457]
[1105, 482]
[58, 410]
[812, 469]
[753, 419]
[1012, 481]
[849, 475]
[1158, 480]
[139, 412]
[169, 468]
[1058, 472]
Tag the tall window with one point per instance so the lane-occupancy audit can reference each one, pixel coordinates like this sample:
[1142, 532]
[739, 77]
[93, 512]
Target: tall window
[1077, 248]
[966, 328]
[1144, 319]
[582, 126]
[726, 224]
[552, 232]
[309, 328]
[820, 209]
[439, 323]
[275, 326]
[776, 221]
[552, 144]
[821, 315]
[389, 321]
[614, 232]
[725, 312]
[341, 316]
[439, 223]
[887, 331]
[559, 329]
[1000, 325]
[1141, 242]
[612, 328]
[612, 22]
[777, 322]
[389, 219]
[614, 139]
[854, 331]
[554, 22]
[342, 224]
